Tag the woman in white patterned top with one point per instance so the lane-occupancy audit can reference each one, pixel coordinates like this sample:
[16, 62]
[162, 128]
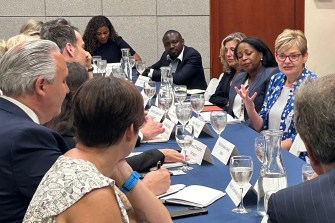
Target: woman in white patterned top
[81, 185]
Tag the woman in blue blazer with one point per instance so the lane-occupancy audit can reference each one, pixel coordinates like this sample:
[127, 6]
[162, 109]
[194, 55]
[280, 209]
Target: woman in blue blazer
[259, 64]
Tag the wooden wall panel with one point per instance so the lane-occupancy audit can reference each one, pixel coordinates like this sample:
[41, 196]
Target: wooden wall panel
[262, 18]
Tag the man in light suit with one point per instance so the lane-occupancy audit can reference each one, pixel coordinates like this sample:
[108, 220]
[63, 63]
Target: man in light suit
[313, 200]
[185, 62]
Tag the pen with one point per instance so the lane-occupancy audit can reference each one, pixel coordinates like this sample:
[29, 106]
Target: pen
[159, 164]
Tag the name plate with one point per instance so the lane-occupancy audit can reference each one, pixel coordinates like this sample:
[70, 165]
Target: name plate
[156, 113]
[234, 191]
[200, 126]
[168, 125]
[223, 149]
[145, 98]
[165, 136]
[172, 114]
[199, 152]
[141, 79]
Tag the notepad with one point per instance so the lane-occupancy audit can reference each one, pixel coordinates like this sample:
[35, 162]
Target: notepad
[194, 195]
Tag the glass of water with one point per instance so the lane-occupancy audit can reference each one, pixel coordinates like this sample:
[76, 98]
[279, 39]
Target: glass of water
[184, 137]
[180, 93]
[183, 113]
[150, 90]
[218, 121]
[197, 102]
[241, 168]
[307, 172]
[140, 67]
[131, 61]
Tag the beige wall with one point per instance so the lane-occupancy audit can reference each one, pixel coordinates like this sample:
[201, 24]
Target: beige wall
[143, 22]
[320, 33]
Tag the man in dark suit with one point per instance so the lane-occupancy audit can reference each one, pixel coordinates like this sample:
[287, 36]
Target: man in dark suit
[313, 200]
[185, 63]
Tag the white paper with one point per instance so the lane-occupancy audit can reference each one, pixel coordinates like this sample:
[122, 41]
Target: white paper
[222, 150]
[197, 152]
[199, 126]
[195, 91]
[234, 191]
[172, 114]
[174, 165]
[173, 189]
[141, 79]
[156, 113]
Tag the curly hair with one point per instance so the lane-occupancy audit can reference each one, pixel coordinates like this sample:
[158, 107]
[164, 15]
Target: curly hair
[90, 34]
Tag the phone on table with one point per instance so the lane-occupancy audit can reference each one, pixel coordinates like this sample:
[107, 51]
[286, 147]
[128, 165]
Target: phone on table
[187, 212]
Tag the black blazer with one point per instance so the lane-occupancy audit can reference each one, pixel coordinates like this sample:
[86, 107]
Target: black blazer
[189, 72]
[221, 95]
[259, 85]
[27, 151]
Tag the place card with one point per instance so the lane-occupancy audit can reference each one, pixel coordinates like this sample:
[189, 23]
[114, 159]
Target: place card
[140, 81]
[172, 114]
[234, 191]
[156, 113]
[223, 149]
[168, 125]
[145, 98]
[200, 126]
[199, 152]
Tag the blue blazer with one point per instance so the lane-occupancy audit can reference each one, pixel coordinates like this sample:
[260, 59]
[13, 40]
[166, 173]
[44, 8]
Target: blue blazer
[312, 201]
[260, 85]
[27, 151]
[189, 72]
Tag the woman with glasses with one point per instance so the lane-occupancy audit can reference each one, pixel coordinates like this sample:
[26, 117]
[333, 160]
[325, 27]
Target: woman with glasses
[101, 39]
[258, 64]
[277, 111]
[230, 69]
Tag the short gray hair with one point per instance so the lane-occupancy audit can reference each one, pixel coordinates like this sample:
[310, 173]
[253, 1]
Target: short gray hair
[315, 117]
[24, 63]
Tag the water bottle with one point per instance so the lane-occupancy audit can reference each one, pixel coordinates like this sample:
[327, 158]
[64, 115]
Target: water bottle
[272, 175]
[125, 64]
[166, 77]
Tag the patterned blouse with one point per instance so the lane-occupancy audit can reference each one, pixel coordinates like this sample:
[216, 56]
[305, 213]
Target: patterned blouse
[274, 90]
[67, 181]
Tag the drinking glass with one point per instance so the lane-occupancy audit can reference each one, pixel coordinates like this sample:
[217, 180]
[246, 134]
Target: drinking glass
[102, 65]
[140, 67]
[183, 113]
[260, 147]
[184, 138]
[307, 172]
[165, 99]
[95, 60]
[241, 168]
[150, 90]
[218, 121]
[131, 61]
[197, 102]
[180, 93]
[267, 196]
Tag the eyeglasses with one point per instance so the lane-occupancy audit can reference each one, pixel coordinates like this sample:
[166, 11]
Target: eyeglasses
[292, 57]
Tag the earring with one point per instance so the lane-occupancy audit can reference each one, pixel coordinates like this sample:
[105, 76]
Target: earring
[261, 59]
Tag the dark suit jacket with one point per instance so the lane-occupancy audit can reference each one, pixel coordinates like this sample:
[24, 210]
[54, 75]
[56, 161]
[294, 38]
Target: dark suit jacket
[141, 162]
[221, 95]
[312, 201]
[259, 85]
[189, 72]
[27, 151]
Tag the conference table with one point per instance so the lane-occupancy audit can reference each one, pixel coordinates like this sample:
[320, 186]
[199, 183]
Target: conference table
[217, 175]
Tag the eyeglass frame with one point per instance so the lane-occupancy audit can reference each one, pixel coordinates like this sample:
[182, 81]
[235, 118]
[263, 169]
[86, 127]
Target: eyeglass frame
[288, 56]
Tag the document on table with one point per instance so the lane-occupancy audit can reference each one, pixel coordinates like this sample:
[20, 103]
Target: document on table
[194, 195]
